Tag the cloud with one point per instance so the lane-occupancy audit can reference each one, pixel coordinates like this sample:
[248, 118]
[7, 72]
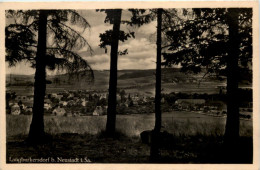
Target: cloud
[141, 55]
[137, 45]
[148, 29]
[99, 62]
[20, 68]
[93, 35]
[131, 64]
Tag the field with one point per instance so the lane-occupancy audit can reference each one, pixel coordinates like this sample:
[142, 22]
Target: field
[177, 122]
[197, 138]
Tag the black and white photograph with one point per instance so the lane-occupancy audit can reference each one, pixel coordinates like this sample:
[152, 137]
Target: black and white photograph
[129, 85]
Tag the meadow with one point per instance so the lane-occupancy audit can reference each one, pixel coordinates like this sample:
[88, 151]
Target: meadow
[195, 138]
[177, 123]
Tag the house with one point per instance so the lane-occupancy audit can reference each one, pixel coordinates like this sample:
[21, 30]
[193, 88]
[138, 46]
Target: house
[30, 98]
[71, 95]
[76, 99]
[63, 103]
[118, 98]
[135, 102]
[191, 101]
[54, 95]
[15, 109]
[216, 105]
[21, 98]
[47, 104]
[59, 111]
[103, 96]
[135, 98]
[162, 100]
[71, 103]
[21, 105]
[144, 99]
[150, 100]
[99, 111]
[28, 109]
[47, 101]
[28, 104]
[59, 96]
[83, 102]
[128, 103]
[188, 104]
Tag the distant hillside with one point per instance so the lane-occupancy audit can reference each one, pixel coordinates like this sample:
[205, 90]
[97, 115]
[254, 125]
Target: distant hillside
[132, 81]
[18, 80]
[136, 74]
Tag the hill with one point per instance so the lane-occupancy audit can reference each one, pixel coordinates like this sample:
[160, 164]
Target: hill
[132, 81]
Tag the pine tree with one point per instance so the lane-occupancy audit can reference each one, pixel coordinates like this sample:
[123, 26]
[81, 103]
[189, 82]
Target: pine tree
[21, 45]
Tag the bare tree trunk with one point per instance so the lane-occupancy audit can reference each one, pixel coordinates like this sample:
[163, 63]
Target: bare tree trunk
[154, 152]
[158, 113]
[111, 110]
[36, 134]
[232, 123]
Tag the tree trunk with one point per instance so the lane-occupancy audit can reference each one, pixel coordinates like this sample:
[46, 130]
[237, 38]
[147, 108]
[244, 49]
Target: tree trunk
[111, 110]
[154, 152]
[36, 134]
[232, 123]
[158, 113]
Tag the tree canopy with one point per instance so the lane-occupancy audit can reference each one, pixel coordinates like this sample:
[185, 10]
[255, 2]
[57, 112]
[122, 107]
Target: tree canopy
[62, 43]
[201, 41]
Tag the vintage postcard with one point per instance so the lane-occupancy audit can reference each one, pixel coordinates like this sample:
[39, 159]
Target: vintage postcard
[136, 85]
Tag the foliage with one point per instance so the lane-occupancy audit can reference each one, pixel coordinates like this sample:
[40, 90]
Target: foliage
[138, 18]
[201, 41]
[63, 40]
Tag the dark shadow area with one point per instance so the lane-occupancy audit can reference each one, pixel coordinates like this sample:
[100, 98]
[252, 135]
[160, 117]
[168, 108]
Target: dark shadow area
[75, 148]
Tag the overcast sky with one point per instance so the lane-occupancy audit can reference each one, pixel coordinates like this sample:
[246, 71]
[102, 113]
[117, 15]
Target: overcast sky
[141, 50]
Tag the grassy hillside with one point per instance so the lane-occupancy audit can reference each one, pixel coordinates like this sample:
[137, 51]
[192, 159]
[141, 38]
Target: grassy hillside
[132, 81]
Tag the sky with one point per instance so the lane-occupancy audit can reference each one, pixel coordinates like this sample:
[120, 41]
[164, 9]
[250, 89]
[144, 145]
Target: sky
[141, 49]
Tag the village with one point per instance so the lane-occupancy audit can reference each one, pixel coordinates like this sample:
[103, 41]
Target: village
[94, 103]
[70, 103]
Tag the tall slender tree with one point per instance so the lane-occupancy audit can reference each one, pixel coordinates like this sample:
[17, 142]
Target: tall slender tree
[232, 123]
[111, 110]
[112, 38]
[158, 114]
[164, 17]
[36, 133]
[59, 54]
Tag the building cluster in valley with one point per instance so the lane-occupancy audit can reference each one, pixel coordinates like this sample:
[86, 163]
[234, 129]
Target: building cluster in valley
[71, 103]
[84, 102]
